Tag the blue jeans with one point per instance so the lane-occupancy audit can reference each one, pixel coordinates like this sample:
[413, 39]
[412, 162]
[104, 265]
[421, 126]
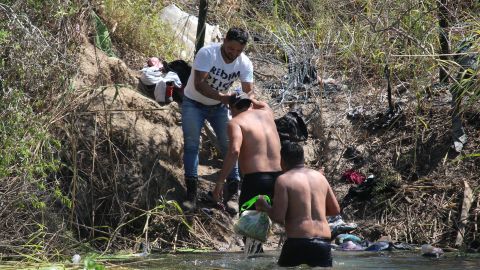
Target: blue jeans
[194, 115]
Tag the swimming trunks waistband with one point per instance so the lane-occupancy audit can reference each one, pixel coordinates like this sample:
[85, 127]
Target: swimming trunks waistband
[257, 175]
[324, 239]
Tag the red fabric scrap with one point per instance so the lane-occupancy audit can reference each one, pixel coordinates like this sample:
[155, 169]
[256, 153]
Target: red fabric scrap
[353, 176]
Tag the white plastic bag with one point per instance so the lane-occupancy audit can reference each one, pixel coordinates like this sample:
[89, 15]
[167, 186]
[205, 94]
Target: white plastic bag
[161, 85]
[184, 26]
[254, 224]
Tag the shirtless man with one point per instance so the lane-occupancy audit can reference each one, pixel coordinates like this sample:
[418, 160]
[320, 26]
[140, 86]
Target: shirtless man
[303, 199]
[255, 144]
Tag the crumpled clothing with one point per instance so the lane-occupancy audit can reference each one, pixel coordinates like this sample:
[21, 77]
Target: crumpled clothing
[341, 238]
[154, 62]
[338, 226]
[380, 246]
[161, 87]
[351, 246]
[292, 127]
[151, 75]
[353, 176]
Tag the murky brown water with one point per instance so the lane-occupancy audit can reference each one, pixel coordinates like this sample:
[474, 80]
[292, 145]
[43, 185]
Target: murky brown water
[217, 260]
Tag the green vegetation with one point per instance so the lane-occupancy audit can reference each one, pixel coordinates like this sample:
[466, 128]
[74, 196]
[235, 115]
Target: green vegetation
[91, 264]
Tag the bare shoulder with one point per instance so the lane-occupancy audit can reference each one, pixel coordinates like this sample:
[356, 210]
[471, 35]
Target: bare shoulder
[283, 178]
[318, 176]
[234, 122]
[238, 120]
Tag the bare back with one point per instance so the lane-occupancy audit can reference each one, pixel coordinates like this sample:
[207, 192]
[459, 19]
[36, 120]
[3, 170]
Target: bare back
[260, 150]
[308, 199]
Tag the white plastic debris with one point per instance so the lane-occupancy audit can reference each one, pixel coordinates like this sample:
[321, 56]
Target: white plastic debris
[184, 26]
[76, 259]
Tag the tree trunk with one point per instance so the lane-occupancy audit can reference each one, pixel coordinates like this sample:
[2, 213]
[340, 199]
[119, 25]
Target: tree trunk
[202, 17]
[443, 38]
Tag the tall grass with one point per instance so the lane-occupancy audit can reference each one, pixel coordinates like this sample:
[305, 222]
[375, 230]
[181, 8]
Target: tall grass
[137, 24]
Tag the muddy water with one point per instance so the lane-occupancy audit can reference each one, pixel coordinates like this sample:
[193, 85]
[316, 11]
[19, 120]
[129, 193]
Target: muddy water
[267, 261]
[342, 260]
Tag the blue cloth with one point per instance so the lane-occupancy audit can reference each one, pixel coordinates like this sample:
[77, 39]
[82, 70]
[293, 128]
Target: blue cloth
[379, 246]
[344, 237]
[194, 115]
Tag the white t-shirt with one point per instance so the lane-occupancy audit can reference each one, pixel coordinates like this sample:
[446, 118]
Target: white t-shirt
[220, 74]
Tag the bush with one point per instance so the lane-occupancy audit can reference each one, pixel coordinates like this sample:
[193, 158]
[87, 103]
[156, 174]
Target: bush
[35, 67]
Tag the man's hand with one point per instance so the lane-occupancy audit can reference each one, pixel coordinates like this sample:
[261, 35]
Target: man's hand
[218, 191]
[261, 204]
[225, 98]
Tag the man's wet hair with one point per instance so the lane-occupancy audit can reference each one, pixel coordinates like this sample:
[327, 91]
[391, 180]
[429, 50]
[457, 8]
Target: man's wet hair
[240, 101]
[237, 34]
[292, 153]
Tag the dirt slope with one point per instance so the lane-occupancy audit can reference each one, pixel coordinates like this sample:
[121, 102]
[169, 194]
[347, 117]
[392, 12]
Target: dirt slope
[135, 145]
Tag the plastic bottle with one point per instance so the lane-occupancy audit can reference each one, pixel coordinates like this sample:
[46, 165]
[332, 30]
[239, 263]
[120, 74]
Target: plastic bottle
[169, 92]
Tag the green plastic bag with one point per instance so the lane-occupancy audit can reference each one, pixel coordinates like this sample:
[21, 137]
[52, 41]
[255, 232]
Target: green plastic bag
[252, 223]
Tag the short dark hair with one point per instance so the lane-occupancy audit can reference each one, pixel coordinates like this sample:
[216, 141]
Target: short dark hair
[237, 34]
[240, 101]
[292, 153]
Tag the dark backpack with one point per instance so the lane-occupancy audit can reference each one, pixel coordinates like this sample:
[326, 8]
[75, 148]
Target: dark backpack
[183, 70]
[292, 127]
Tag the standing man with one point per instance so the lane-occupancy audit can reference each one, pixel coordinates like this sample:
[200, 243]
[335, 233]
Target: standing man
[255, 144]
[303, 199]
[215, 69]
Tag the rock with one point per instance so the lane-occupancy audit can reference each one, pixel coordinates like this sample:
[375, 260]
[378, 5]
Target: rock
[431, 251]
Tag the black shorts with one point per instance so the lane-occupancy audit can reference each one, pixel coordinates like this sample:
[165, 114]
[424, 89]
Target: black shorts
[311, 251]
[259, 183]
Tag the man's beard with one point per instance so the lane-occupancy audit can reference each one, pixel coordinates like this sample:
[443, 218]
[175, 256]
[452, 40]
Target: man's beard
[225, 55]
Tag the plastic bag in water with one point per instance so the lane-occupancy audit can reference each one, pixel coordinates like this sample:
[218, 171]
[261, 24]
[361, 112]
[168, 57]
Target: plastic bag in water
[253, 224]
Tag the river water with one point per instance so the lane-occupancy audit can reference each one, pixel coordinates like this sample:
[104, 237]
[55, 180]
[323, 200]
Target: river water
[342, 260]
[267, 261]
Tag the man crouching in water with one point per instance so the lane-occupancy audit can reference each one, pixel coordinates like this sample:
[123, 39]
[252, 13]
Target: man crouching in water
[255, 143]
[303, 199]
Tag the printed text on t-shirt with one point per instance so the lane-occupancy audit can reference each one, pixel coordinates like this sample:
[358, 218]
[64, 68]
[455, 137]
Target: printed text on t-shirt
[219, 80]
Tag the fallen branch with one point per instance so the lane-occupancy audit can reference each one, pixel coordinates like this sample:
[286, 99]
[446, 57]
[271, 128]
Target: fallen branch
[467, 203]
